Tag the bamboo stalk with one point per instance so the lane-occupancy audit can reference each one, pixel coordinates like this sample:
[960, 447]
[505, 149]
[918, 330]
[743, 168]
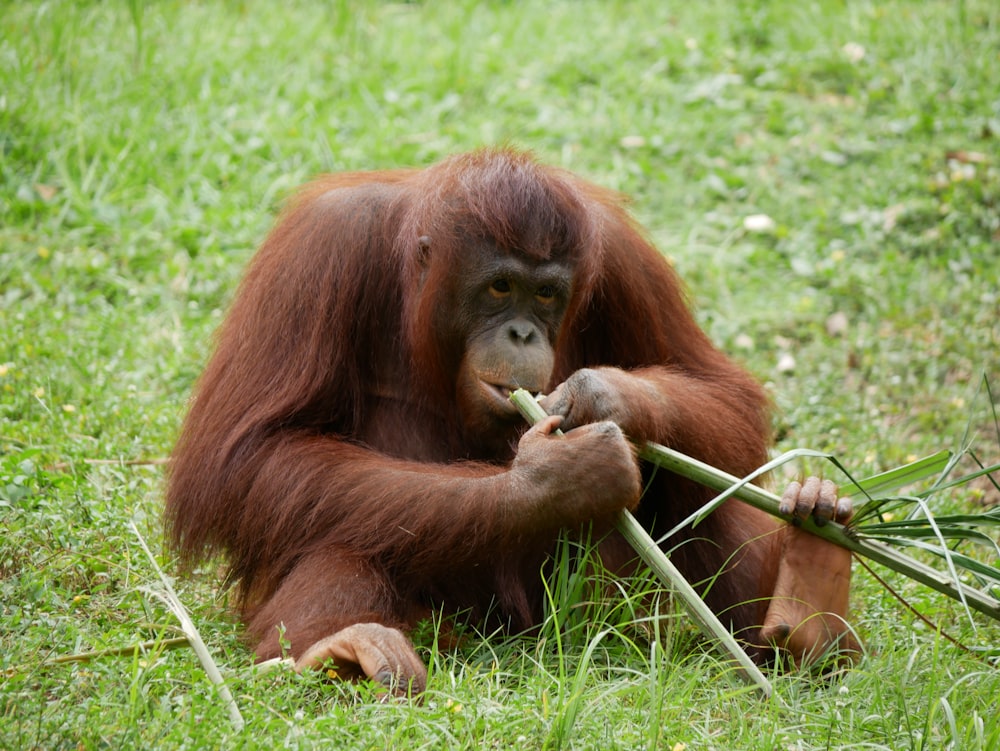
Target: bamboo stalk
[658, 562]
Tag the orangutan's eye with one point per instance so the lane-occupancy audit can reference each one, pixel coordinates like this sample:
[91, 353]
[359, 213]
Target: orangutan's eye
[545, 294]
[500, 289]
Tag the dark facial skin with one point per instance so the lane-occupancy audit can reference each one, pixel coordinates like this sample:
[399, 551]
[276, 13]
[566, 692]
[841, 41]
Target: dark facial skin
[509, 309]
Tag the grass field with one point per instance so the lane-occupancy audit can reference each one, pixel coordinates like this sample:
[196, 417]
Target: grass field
[144, 151]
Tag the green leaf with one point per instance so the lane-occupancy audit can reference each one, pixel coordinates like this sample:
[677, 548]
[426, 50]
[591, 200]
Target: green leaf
[962, 480]
[886, 482]
[984, 570]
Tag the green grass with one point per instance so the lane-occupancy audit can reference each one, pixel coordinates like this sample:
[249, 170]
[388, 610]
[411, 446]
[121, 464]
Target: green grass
[144, 149]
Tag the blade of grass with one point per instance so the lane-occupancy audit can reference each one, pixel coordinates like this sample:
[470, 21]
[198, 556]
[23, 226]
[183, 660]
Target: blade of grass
[982, 570]
[954, 526]
[964, 479]
[894, 479]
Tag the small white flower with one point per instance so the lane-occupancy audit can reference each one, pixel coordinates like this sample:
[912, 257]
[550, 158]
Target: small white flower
[786, 363]
[759, 223]
[854, 52]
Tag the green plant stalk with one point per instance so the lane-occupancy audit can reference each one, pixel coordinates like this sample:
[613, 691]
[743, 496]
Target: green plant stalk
[658, 562]
[143, 648]
[169, 598]
[845, 537]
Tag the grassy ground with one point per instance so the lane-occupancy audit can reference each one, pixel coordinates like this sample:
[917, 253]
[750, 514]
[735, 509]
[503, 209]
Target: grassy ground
[144, 149]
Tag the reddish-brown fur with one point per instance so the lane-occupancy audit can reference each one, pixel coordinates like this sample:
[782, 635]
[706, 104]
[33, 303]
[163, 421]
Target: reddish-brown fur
[324, 454]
